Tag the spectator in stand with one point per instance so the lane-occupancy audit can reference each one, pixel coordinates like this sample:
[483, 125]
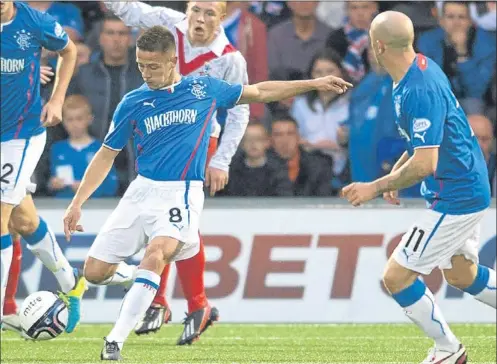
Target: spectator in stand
[249, 35]
[467, 54]
[70, 158]
[331, 13]
[371, 118]
[352, 40]
[293, 43]
[84, 53]
[422, 13]
[270, 12]
[320, 114]
[253, 172]
[67, 15]
[483, 129]
[105, 81]
[309, 172]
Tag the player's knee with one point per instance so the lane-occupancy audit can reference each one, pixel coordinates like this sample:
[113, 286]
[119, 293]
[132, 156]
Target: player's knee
[24, 225]
[462, 274]
[96, 271]
[396, 278]
[154, 258]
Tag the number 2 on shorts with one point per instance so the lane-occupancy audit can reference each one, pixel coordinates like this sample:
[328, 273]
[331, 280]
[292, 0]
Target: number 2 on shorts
[7, 170]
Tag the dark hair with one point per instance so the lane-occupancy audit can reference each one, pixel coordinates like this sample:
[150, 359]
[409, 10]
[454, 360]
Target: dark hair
[109, 17]
[463, 3]
[282, 116]
[156, 39]
[330, 55]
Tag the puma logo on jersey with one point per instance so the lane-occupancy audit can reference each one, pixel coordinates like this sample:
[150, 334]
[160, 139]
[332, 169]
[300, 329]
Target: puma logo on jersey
[420, 136]
[149, 104]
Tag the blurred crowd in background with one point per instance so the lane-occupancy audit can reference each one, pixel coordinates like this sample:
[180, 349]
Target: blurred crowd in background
[308, 146]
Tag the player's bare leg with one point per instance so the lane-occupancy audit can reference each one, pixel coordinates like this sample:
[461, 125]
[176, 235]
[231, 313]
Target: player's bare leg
[43, 244]
[11, 318]
[477, 280]
[6, 250]
[419, 305]
[159, 252]
[191, 275]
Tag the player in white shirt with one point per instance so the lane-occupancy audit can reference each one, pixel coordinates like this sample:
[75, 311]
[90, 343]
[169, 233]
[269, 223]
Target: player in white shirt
[203, 49]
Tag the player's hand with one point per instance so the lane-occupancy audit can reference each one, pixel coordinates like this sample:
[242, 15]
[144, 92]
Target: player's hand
[46, 74]
[215, 179]
[56, 183]
[71, 219]
[359, 193]
[392, 197]
[51, 114]
[332, 83]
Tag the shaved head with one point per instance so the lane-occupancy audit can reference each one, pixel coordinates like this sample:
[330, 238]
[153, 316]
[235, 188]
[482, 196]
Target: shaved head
[392, 38]
[393, 29]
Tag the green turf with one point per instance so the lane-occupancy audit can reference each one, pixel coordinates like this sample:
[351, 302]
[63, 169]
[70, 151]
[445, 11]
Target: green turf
[255, 344]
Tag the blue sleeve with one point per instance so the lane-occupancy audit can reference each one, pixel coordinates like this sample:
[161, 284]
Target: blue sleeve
[426, 113]
[120, 130]
[108, 188]
[227, 94]
[53, 36]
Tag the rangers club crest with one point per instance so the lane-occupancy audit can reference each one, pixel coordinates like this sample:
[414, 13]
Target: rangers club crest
[23, 39]
[197, 89]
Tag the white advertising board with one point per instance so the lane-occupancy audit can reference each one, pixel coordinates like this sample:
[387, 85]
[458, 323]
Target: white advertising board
[283, 265]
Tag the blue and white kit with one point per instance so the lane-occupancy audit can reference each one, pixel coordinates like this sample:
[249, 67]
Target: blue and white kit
[22, 136]
[170, 129]
[458, 194]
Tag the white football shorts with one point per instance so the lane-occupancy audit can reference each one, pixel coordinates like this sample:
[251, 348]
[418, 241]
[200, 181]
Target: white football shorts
[19, 158]
[147, 210]
[435, 238]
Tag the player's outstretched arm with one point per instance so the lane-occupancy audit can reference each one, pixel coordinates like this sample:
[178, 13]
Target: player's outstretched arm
[270, 91]
[95, 175]
[52, 112]
[138, 14]
[392, 197]
[422, 164]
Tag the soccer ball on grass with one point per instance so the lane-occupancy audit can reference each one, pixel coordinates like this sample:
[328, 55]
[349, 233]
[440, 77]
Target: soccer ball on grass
[43, 316]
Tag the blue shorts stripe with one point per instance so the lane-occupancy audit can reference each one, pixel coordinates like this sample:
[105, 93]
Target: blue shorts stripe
[147, 282]
[437, 225]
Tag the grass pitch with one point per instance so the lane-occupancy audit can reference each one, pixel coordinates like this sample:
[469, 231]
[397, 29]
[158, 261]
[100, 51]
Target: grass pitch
[225, 343]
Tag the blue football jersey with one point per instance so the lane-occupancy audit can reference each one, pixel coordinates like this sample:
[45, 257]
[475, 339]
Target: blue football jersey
[21, 44]
[171, 127]
[429, 115]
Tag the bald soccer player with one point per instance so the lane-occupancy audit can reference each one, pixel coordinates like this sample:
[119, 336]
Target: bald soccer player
[443, 152]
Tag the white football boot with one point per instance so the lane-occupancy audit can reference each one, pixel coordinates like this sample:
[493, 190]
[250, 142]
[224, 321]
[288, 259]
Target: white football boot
[437, 356]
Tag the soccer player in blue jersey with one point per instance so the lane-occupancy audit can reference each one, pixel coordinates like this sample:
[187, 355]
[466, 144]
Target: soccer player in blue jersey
[24, 32]
[169, 118]
[444, 154]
